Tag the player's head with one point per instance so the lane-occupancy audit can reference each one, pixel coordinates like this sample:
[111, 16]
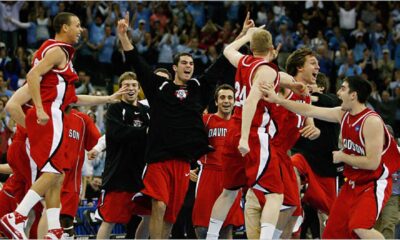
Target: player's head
[323, 83]
[224, 97]
[162, 72]
[183, 67]
[354, 89]
[303, 64]
[68, 24]
[129, 80]
[261, 42]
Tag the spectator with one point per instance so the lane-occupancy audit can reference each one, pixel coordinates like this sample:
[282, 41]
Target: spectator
[385, 66]
[394, 84]
[315, 15]
[359, 47]
[369, 14]
[196, 9]
[166, 49]
[325, 60]
[86, 86]
[142, 12]
[3, 87]
[284, 38]
[318, 41]
[30, 27]
[349, 68]
[341, 55]
[368, 64]
[138, 33]
[42, 26]
[106, 49]
[8, 30]
[198, 55]
[347, 17]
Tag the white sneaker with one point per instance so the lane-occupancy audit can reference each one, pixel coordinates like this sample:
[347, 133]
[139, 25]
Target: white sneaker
[14, 224]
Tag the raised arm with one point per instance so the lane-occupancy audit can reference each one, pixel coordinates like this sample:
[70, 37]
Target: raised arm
[326, 114]
[231, 51]
[89, 100]
[373, 133]
[263, 74]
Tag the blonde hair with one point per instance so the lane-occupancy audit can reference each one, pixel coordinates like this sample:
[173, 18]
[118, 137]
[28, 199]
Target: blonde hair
[261, 41]
[125, 76]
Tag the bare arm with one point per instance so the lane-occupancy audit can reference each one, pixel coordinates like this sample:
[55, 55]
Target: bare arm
[122, 28]
[100, 146]
[374, 139]
[5, 169]
[14, 105]
[54, 57]
[326, 114]
[250, 105]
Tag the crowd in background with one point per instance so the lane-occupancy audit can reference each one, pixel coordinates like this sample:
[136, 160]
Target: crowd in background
[350, 38]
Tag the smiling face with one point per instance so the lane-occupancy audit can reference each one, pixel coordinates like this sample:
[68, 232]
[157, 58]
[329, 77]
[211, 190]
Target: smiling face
[74, 30]
[133, 88]
[347, 98]
[225, 101]
[184, 69]
[309, 71]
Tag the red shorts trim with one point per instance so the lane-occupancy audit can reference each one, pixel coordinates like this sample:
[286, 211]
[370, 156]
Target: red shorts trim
[291, 195]
[233, 164]
[321, 191]
[116, 206]
[209, 187]
[167, 181]
[47, 143]
[69, 203]
[357, 206]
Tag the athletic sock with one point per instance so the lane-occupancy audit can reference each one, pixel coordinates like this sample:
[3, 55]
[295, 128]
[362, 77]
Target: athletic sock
[30, 200]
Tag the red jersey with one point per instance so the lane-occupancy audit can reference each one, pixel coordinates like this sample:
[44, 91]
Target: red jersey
[243, 82]
[82, 135]
[57, 85]
[216, 128]
[289, 123]
[353, 144]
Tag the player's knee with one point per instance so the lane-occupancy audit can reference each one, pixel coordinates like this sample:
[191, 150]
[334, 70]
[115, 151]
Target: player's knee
[361, 232]
[158, 206]
[276, 197]
[230, 194]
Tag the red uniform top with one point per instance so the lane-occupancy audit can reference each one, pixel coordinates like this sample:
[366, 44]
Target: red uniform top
[353, 144]
[216, 128]
[243, 82]
[82, 135]
[57, 85]
[289, 123]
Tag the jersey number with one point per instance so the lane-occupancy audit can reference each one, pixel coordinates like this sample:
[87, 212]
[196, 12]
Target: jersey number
[240, 94]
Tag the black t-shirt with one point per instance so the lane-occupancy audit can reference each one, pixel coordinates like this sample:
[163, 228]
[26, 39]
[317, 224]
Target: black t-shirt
[176, 127]
[126, 138]
[318, 152]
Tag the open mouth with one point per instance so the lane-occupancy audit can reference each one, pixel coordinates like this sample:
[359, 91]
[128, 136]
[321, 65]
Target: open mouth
[131, 94]
[315, 75]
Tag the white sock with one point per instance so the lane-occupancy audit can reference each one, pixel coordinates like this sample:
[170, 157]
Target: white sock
[53, 218]
[267, 231]
[30, 200]
[213, 228]
[277, 234]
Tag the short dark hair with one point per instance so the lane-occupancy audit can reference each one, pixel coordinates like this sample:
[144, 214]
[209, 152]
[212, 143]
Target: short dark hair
[163, 70]
[297, 60]
[223, 87]
[178, 56]
[323, 81]
[61, 19]
[360, 86]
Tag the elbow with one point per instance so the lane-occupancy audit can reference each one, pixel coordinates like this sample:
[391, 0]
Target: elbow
[226, 51]
[374, 165]
[10, 108]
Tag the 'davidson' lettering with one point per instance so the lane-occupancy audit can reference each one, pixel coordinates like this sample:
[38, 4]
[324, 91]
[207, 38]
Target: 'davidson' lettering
[350, 145]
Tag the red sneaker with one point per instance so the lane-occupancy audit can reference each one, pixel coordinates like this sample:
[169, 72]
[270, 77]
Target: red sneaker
[54, 234]
[14, 224]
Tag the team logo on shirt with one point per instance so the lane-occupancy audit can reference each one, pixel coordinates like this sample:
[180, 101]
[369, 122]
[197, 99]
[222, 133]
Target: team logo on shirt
[181, 94]
[137, 123]
[357, 128]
